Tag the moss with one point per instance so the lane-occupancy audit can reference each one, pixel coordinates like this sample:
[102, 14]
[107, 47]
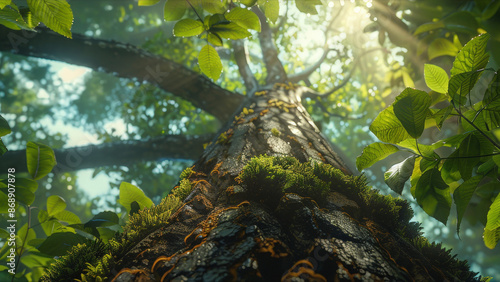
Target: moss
[94, 260]
[186, 173]
[70, 266]
[275, 132]
[271, 177]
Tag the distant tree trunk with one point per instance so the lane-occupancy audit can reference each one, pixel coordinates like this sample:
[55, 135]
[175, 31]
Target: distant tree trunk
[223, 233]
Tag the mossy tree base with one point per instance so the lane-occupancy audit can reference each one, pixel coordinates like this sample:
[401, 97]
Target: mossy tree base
[293, 214]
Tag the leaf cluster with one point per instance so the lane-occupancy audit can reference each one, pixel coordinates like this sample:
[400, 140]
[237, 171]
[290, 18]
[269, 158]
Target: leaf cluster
[472, 167]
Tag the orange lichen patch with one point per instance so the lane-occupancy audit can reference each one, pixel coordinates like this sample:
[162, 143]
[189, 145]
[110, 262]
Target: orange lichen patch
[269, 245]
[310, 144]
[131, 271]
[202, 185]
[305, 270]
[292, 138]
[321, 157]
[158, 260]
[253, 119]
[263, 112]
[207, 225]
[230, 190]
[225, 137]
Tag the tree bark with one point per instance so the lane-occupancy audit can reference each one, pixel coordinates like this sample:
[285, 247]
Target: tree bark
[224, 232]
[125, 152]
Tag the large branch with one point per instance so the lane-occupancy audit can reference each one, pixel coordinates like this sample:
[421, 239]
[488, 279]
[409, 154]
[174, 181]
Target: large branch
[240, 56]
[125, 152]
[275, 71]
[124, 60]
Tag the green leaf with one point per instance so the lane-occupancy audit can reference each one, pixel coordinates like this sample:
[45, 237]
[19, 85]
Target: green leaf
[4, 3]
[244, 18]
[230, 31]
[130, 193]
[428, 27]
[462, 84]
[67, 216]
[398, 174]
[188, 27]
[60, 243]
[442, 115]
[55, 14]
[473, 56]
[210, 63]
[494, 214]
[374, 153]
[462, 21]
[462, 196]
[441, 47]
[25, 196]
[411, 108]
[25, 234]
[449, 170]
[436, 78]
[469, 147]
[491, 237]
[55, 204]
[308, 7]
[40, 159]
[214, 6]
[490, 10]
[3, 149]
[148, 2]
[12, 19]
[271, 9]
[248, 3]
[214, 39]
[388, 128]
[433, 195]
[174, 9]
[102, 219]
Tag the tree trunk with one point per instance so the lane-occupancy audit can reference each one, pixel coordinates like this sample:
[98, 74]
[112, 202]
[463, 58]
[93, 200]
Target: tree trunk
[229, 230]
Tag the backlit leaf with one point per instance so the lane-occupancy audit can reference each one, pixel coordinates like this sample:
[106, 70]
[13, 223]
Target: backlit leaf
[436, 78]
[441, 47]
[491, 237]
[214, 6]
[147, 2]
[210, 63]
[188, 27]
[230, 31]
[55, 14]
[271, 9]
[244, 18]
[373, 153]
[493, 218]
[130, 193]
[388, 128]
[461, 84]
[55, 204]
[174, 9]
[473, 56]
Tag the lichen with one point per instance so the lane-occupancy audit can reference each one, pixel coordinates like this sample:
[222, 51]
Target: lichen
[275, 132]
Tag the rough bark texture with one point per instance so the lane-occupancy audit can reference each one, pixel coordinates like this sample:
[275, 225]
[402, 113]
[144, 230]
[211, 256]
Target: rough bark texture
[224, 232]
[123, 60]
[125, 152]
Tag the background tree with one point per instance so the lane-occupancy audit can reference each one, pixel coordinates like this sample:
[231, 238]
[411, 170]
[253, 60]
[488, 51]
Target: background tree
[148, 111]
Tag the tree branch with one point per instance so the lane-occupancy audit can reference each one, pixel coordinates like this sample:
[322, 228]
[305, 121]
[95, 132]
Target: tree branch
[125, 61]
[116, 153]
[240, 55]
[275, 71]
[303, 75]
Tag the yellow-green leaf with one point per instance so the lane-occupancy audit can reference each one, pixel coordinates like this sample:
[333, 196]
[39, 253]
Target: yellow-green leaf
[473, 56]
[374, 153]
[130, 193]
[244, 18]
[147, 2]
[55, 205]
[493, 218]
[174, 9]
[55, 14]
[271, 9]
[188, 27]
[441, 47]
[491, 237]
[388, 128]
[210, 63]
[436, 78]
